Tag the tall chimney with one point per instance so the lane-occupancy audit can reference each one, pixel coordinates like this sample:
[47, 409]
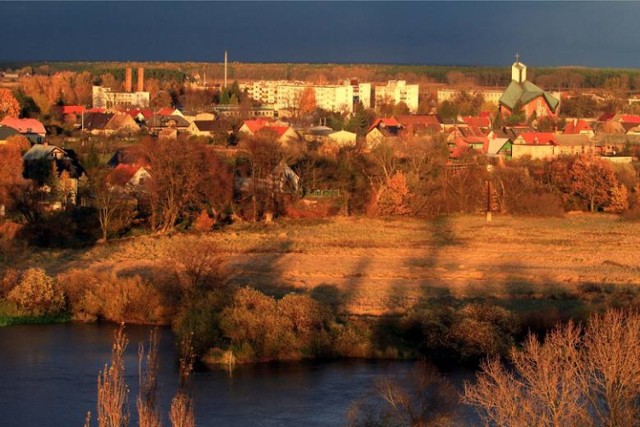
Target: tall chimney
[127, 80]
[225, 68]
[140, 79]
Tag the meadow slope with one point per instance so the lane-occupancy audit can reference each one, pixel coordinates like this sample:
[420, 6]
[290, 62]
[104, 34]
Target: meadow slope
[377, 266]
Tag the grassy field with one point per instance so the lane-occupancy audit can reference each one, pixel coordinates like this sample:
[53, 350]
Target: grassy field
[367, 266]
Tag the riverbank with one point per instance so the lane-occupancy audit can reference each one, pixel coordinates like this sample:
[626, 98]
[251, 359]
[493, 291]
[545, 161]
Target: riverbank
[386, 288]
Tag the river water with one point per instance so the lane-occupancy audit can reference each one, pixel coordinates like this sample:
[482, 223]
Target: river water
[48, 376]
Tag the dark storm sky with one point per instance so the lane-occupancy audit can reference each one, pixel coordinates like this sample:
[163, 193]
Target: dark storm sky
[438, 33]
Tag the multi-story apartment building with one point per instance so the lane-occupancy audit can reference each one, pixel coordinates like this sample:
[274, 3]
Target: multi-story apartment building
[330, 97]
[397, 91]
[489, 95]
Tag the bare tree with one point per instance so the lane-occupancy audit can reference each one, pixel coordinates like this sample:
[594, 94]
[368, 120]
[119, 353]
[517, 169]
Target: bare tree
[147, 401]
[113, 393]
[423, 398]
[181, 413]
[576, 377]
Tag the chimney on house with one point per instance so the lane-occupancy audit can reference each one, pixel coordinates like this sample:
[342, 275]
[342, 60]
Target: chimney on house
[127, 80]
[140, 79]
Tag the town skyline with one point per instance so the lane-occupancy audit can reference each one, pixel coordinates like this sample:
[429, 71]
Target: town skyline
[436, 33]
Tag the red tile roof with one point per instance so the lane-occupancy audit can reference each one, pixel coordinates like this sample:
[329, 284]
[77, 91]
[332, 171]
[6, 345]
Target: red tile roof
[166, 111]
[577, 126]
[630, 118]
[479, 122]
[539, 138]
[255, 125]
[96, 110]
[278, 130]
[24, 125]
[123, 173]
[147, 114]
[72, 109]
[384, 122]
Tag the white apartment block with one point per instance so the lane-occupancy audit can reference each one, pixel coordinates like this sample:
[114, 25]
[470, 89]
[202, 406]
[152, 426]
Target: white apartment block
[397, 91]
[489, 95]
[330, 97]
[103, 97]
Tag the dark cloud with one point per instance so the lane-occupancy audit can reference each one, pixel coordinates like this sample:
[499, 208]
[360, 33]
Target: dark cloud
[443, 33]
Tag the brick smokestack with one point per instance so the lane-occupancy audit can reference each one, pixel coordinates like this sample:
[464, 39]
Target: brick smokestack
[127, 80]
[140, 79]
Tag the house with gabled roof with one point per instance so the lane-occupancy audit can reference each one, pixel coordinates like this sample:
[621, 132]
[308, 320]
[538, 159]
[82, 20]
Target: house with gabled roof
[522, 94]
[174, 122]
[578, 127]
[41, 157]
[537, 145]
[108, 124]
[32, 129]
[576, 143]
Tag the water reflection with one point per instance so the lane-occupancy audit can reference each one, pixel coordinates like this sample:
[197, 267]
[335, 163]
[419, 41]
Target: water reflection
[49, 376]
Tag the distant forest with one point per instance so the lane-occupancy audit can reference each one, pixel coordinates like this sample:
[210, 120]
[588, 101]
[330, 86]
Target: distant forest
[561, 78]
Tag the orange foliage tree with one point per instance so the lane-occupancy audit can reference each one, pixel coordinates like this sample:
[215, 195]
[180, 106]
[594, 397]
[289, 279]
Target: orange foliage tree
[9, 105]
[592, 181]
[12, 184]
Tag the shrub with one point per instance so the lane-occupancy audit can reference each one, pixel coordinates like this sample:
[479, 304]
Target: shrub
[203, 222]
[37, 294]
[262, 328]
[119, 299]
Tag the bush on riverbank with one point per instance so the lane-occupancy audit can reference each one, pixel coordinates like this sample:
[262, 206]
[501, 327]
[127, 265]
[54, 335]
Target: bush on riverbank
[118, 299]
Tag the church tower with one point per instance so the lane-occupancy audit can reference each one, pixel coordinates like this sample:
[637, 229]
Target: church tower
[518, 71]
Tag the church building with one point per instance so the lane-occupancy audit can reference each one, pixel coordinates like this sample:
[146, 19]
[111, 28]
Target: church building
[524, 95]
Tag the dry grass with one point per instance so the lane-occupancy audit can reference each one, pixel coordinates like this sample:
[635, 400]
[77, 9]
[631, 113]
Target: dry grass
[378, 266]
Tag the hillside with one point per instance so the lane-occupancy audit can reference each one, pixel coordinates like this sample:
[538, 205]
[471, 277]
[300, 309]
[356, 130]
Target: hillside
[374, 266]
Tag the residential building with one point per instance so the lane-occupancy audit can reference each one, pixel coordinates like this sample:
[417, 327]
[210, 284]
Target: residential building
[32, 129]
[397, 91]
[537, 145]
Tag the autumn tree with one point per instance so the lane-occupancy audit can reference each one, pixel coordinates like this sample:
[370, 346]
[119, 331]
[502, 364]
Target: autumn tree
[307, 101]
[592, 181]
[20, 141]
[115, 208]
[262, 155]
[12, 184]
[577, 376]
[619, 199]
[9, 106]
[175, 182]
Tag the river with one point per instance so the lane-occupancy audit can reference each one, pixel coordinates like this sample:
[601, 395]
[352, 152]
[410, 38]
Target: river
[48, 376]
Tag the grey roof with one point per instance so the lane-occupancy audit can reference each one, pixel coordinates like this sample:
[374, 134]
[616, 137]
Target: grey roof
[163, 121]
[573, 140]
[6, 132]
[39, 151]
[524, 93]
[96, 121]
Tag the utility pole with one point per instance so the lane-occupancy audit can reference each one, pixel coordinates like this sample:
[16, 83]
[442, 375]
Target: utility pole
[225, 69]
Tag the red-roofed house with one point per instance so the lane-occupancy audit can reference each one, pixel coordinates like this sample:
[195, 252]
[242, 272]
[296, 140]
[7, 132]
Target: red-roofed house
[481, 122]
[31, 128]
[72, 109]
[419, 124]
[129, 176]
[538, 145]
[381, 129]
[578, 127]
[251, 127]
[141, 115]
[167, 111]
[283, 134]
